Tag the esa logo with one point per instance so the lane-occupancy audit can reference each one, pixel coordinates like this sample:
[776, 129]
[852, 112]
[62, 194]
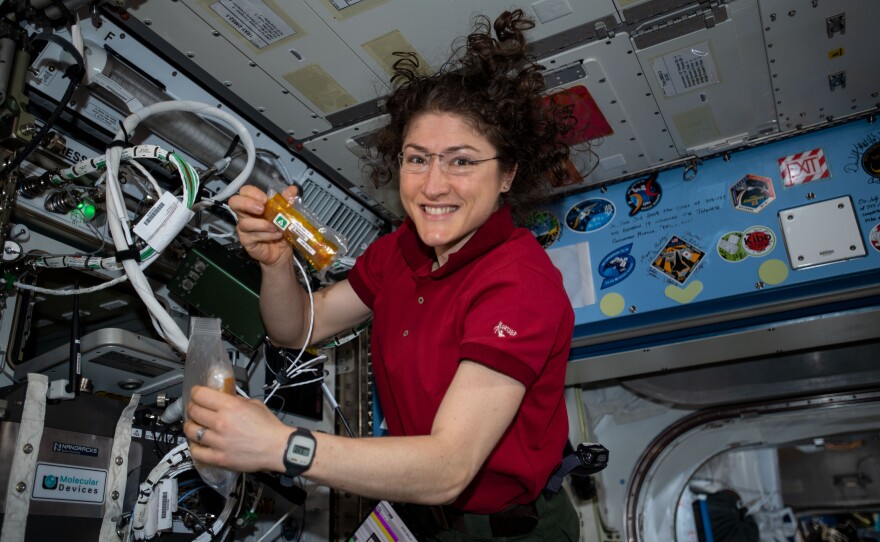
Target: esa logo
[50, 481]
[73, 155]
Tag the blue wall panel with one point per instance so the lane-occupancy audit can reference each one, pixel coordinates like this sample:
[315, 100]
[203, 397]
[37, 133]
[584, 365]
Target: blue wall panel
[696, 214]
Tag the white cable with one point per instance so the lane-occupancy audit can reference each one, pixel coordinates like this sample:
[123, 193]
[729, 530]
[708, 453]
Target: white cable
[277, 523]
[89, 290]
[277, 386]
[175, 462]
[117, 213]
[324, 375]
[137, 165]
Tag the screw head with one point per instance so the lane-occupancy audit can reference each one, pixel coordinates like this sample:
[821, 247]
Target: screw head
[28, 448]
[114, 495]
[119, 460]
[20, 487]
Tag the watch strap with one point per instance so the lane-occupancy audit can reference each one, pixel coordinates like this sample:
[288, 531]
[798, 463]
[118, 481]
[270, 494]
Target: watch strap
[293, 469]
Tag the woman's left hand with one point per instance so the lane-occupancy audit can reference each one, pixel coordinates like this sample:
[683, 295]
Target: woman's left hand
[236, 433]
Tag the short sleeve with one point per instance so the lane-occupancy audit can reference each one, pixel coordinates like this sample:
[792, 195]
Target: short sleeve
[520, 319]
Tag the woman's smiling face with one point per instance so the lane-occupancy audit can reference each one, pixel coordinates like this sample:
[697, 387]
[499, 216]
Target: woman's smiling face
[448, 208]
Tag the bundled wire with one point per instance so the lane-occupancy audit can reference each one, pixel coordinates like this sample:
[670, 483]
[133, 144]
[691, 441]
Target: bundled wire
[295, 366]
[174, 463]
[117, 215]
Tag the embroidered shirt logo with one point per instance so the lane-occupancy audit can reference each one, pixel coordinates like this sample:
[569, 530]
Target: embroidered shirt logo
[502, 330]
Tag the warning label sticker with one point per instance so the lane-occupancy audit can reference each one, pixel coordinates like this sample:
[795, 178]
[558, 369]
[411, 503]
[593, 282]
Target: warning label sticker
[686, 69]
[254, 20]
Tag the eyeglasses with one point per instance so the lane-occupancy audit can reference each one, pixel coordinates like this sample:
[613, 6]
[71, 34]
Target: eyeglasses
[416, 163]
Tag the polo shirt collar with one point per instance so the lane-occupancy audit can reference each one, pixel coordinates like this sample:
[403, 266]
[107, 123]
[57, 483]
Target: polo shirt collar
[497, 229]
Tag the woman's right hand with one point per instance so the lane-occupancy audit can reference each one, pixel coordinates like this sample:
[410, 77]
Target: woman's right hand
[260, 238]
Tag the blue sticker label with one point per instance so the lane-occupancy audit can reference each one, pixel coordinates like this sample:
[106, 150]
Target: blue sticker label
[590, 215]
[616, 266]
[643, 194]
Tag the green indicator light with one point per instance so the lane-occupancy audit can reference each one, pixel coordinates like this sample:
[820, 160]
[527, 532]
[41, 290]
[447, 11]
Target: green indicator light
[86, 209]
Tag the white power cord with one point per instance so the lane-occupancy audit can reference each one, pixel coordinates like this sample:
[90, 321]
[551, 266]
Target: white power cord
[117, 214]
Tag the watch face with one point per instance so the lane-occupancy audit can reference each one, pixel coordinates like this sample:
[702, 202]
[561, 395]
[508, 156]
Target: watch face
[301, 450]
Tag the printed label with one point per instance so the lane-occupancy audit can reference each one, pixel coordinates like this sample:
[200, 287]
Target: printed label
[254, 20]
[300, 231]
[686, 69]
[74, 449]
[69, 484]
[803, 167]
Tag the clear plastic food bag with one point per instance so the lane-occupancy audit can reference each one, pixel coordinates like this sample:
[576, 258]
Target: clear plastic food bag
[314, 241]
[207, 364]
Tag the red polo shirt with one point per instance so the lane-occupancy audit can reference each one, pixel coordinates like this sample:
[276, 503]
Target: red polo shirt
[498, 301]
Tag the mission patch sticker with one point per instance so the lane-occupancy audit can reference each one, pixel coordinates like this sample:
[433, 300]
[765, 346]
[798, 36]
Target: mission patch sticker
[616, 266]
[544, 226]
[678, 259]
[590, 215]
[643, 194]
[752, 193]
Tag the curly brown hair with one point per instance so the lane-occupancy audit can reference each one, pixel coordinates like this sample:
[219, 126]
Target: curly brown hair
[497, 88]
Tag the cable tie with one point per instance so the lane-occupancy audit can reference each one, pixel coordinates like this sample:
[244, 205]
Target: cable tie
[116, 143]
[127, 139]
[235, 142]
[131, 253]
[281, 378]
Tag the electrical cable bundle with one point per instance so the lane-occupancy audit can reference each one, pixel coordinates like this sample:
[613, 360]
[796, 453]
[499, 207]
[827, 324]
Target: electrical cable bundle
[174, 463]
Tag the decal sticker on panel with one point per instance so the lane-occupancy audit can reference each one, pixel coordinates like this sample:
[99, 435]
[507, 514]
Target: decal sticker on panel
[590, 215]
[752, 193]
[684, 295]
[687, 69]
[875, 237]
[730, 248]
[678, 259]
[616, 266]
[544, 226]
[758, 241]
[643, 195]
[583, 117]
[803, 167]
[68, 483]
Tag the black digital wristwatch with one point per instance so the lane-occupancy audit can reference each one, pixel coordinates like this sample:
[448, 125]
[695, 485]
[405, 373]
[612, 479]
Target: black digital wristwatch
[300, 452]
